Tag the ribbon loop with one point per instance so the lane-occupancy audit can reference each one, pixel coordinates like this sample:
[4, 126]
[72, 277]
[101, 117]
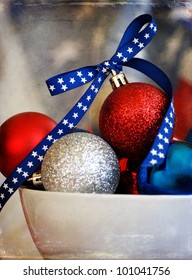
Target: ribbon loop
[71, 80]
[135, 27]
[136, 37]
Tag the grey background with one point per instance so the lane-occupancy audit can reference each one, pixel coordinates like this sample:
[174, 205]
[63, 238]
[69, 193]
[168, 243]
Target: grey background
[39, 39]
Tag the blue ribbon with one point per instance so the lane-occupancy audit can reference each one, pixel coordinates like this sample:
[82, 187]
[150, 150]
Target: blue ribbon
[136, 37]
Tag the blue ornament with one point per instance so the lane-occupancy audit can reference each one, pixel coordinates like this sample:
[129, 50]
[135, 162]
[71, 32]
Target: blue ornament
[174, 176]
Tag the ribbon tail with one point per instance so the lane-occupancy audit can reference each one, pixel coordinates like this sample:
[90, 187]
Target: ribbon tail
[160, 146]
[24, 170]
[164, 134]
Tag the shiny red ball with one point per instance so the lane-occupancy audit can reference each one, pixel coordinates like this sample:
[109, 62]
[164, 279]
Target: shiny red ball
[19, 135]
[130, 118]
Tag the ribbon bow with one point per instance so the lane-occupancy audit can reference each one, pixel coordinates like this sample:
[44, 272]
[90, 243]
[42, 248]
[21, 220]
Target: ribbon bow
[131, 43]
[137, 36]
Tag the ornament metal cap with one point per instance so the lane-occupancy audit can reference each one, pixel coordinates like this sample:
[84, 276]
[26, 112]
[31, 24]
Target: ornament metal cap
[34, 181]
[118, 80]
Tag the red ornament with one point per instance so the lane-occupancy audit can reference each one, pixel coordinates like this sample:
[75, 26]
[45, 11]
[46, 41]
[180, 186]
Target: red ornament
[19, 135]
[183, 108]
[130, 118]
[128, 181]
[183, 97]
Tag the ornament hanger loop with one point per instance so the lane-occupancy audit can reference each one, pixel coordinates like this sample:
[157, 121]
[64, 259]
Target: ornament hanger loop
[118, 80]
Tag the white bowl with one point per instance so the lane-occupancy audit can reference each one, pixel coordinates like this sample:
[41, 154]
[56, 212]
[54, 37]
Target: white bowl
[107, 226]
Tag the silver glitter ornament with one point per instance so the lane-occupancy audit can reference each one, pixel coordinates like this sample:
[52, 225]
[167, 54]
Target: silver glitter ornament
[80, 162]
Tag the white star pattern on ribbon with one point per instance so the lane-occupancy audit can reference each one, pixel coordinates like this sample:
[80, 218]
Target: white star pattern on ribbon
[160, 146]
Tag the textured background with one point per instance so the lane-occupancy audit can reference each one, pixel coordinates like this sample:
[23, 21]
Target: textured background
[39, 39]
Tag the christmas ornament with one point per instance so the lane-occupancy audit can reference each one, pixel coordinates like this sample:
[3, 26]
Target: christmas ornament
[34, 182]
[131, 116]
[19, 135]
[183, 98]
[128, 181]
[174, 176]
[80, 162]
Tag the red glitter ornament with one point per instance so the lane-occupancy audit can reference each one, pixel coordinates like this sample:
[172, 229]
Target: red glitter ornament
[130, 118]
[128, 180]
[19, 135]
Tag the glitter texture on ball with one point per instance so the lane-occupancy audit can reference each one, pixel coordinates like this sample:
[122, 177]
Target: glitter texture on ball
[130, 118]
[80, 162]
